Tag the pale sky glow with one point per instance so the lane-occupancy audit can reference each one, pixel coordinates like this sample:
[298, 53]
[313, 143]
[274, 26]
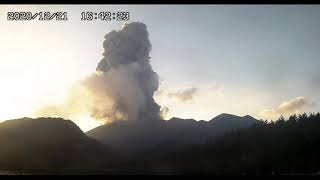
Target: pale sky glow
[241, 59]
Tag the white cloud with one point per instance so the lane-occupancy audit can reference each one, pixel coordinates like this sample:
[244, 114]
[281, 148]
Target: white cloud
[184, 95]
[293, 106]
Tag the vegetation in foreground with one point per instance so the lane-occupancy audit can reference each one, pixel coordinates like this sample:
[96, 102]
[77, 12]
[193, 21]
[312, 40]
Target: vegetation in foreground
[286, 146]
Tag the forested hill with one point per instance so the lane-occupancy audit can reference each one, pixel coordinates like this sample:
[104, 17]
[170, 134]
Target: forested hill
[142, 135]
[286, 146]
[48, 145]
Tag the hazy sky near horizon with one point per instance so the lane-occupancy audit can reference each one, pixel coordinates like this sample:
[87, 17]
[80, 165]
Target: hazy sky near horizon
[261, 60]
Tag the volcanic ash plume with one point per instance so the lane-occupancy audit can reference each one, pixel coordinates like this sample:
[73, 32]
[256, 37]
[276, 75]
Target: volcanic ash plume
[123, 85]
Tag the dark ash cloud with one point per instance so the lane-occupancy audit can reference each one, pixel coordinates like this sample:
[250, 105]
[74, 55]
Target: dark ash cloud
[124, 83]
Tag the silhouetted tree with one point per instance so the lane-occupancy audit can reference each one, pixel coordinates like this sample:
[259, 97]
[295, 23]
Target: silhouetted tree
[287, 146]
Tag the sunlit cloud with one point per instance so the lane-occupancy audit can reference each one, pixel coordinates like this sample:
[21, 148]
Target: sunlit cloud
[216, 87]
[293, 106]
[165, 112]
[184, 95]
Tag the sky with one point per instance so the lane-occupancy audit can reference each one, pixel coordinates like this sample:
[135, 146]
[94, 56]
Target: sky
[260, 60]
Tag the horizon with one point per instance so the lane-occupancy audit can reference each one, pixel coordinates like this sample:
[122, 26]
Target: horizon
[256, 60]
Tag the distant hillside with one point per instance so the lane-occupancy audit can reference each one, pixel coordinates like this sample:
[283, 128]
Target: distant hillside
[50, 145]
[287, 146]
[177, 146]
[226, 122]
[135, 135]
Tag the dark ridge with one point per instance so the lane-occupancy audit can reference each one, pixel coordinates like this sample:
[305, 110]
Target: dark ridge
[141, 135]
[224, 116]
[48, 145]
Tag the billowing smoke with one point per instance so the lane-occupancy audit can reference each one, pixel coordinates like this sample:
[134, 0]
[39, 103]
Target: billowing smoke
[164, 112]
[125, 76]
[124, 83]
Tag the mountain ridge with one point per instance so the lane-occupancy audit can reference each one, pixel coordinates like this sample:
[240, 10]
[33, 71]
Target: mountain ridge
[129, 135]
[50, 145]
